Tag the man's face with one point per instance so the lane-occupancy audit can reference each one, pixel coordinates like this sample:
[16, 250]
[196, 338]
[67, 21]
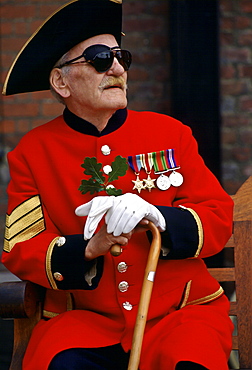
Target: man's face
[90, 91]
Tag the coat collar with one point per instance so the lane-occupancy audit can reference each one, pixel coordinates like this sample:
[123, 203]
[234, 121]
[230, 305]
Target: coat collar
[85, 127]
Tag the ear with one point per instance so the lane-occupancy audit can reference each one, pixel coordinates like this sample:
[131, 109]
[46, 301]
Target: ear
[58, 82]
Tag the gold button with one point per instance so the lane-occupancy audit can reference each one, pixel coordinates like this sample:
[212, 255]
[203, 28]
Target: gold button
[58, 276]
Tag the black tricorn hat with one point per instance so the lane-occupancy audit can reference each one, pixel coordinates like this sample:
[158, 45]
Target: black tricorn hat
[71, 24]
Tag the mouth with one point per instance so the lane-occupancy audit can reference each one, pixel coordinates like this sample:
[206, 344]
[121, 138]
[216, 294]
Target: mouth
[113, 87]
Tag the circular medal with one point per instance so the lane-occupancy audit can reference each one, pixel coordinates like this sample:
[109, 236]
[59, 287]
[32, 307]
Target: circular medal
[163, 182]
[176, 179]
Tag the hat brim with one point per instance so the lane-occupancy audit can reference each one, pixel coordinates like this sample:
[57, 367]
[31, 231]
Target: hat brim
[71, 24]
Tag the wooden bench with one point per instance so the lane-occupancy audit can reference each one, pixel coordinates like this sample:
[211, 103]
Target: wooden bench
[241, 274]
[23, 300]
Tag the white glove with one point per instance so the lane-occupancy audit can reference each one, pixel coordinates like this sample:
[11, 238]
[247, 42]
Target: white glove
[95, 210]
[128, 210]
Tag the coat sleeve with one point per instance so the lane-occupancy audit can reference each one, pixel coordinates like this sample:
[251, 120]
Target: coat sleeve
[200, 221]
[34, 248]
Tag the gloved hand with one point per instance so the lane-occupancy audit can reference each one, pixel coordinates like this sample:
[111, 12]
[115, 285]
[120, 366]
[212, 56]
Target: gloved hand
[127, 211]
[95, 210]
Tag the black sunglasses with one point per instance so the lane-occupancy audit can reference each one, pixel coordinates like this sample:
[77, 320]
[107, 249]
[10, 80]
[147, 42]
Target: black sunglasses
[101, 57]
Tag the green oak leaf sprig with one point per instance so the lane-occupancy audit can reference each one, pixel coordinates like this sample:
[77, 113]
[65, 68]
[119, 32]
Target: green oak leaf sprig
[99, 180]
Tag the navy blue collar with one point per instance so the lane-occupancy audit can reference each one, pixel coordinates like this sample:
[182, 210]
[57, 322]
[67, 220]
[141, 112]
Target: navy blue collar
[85, 127]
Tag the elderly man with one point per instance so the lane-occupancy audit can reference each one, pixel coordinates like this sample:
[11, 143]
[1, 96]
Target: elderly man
[138, 167]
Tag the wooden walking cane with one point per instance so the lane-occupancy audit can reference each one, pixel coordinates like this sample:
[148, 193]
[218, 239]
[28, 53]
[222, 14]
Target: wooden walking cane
[145, 295]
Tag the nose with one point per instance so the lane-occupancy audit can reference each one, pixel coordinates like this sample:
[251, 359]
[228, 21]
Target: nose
[116, 69]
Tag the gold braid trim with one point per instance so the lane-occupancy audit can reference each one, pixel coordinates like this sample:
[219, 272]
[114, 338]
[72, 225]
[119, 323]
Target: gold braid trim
[207, 298]
[48, 263]
[50, 314]
[200, 230]
[186, 294]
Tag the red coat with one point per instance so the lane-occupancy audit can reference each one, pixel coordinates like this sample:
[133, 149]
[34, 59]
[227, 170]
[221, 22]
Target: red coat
[43, 194]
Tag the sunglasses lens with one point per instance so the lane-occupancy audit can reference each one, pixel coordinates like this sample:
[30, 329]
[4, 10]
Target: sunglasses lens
[103, 61]
[124, 58]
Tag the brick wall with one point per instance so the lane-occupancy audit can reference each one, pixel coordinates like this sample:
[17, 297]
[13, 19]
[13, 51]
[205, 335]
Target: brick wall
[236, 91]
[146, 28]
[147, 36]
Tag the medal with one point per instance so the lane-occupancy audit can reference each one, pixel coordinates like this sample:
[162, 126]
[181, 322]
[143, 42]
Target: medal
[161, 162]
[138, 184]
[148, 164]
[136, 165]
[164, 161]
[163, 182]
[161, 166]
[149, 182]
[176, 178]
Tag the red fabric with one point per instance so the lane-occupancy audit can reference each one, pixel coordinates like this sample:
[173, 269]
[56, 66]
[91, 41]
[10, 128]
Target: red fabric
[47, 162]
[194, 333]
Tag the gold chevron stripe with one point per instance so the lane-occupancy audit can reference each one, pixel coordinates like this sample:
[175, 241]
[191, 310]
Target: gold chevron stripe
[24, 208]
[24, 222]
[29, 233]
[28, 219]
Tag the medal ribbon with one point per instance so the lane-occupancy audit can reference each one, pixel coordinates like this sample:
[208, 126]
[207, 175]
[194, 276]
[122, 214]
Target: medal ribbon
[162, 161]
[171, 158]
[147, 162]
[135, 163]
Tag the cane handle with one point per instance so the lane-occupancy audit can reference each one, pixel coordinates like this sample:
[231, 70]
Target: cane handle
[116, 250]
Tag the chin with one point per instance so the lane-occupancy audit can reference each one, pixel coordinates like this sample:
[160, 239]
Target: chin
[112, 100]
[118, 104]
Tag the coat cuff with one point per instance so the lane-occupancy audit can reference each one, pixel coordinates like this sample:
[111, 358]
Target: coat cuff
[183, 235]
[66, 267]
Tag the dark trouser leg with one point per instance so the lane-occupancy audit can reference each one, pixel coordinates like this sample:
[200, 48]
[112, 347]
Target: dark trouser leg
[106, 358]
[187, 365]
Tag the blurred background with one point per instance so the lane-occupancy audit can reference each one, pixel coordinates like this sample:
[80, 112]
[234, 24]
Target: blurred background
[191, 60]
